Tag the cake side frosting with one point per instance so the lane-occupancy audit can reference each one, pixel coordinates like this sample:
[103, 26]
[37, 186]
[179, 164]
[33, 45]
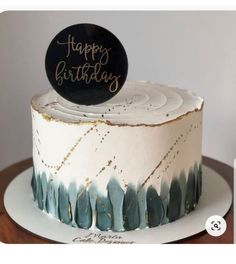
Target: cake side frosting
[126, 169]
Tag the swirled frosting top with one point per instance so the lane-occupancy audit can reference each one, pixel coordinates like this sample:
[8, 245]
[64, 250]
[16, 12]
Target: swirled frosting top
[137, 103]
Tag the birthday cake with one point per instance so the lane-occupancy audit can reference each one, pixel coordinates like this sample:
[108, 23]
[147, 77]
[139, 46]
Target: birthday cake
[129, 163]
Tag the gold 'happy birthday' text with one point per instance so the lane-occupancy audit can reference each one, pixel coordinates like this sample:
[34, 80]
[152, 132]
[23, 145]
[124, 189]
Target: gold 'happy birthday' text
[86, 72]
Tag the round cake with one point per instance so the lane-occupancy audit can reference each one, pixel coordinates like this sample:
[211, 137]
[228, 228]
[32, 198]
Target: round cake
[132, 162]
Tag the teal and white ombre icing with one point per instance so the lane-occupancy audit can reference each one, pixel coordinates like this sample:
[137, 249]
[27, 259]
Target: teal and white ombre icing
[125, 164]
[120, 210]
[116, 196]
[83, 211]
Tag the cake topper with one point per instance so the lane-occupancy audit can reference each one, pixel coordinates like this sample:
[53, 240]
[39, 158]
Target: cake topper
[86, 64]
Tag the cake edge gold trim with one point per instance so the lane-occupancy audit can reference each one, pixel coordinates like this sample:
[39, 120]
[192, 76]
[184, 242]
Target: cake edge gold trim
[50, 118]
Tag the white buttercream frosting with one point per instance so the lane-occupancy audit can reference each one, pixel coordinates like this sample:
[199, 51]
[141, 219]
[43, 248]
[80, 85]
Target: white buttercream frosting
[88, 151]
[137, 103]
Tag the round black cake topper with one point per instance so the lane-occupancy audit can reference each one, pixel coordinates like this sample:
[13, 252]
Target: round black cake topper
[86, 64]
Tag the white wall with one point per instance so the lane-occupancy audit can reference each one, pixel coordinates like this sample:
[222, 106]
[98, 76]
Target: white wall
[193, 50]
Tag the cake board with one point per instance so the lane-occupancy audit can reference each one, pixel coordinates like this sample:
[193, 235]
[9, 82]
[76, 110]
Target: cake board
[19, 204]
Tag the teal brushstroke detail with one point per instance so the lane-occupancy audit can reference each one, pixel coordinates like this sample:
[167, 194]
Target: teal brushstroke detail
[51, 199]
[195, 168]
[119, 210]
[103, 213]
[195, 172]
[142, 207]
[56, 194]
[116, 196]
[190, 192]
[39, 192]
[72, 191]
[93, 198]
[183, 187]
[64, 209]
[34, 185]
[83, 212]
[200, 178]
[174, 207]
[198, 183]
[164, 194]
[154, 207]
[44, 188]
[131, 209]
